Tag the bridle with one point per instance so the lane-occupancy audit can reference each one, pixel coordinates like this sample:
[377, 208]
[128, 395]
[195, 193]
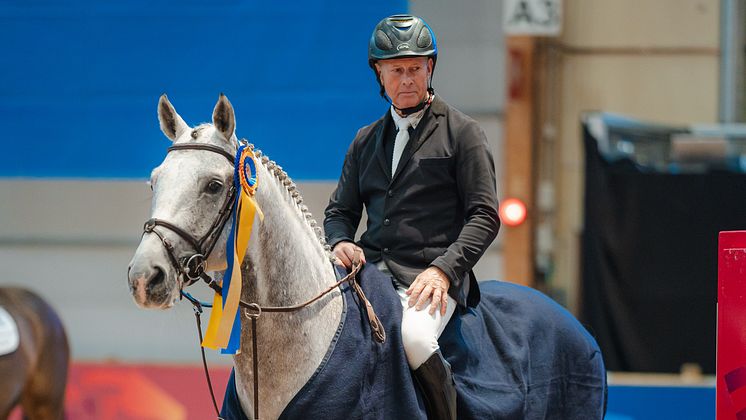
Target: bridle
[192, 268]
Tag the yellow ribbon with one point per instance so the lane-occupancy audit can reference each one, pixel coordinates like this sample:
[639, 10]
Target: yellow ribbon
[222, 319]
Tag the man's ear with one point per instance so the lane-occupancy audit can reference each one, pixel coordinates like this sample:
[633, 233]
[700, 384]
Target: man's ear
[378, 72]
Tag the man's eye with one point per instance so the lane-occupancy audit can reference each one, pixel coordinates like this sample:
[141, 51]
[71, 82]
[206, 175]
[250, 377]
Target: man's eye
[214, 187]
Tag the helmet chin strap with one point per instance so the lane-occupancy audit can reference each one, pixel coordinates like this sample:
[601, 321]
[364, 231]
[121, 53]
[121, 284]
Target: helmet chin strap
[417, 108]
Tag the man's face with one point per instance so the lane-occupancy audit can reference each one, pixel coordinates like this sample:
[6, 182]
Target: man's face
[405, 79]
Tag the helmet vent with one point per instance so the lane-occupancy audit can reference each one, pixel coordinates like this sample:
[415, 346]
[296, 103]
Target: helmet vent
[424, 39]
[401, 20]
[383, 41]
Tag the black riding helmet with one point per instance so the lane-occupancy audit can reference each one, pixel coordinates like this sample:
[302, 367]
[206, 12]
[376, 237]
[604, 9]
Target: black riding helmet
[401, 36]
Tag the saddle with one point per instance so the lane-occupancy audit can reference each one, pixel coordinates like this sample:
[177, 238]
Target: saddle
[9, 339]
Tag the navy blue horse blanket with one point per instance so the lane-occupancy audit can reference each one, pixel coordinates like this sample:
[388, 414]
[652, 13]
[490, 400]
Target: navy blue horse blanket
[517, 355]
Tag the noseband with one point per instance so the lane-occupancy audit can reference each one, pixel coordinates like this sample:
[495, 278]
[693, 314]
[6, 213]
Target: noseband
[192, 268]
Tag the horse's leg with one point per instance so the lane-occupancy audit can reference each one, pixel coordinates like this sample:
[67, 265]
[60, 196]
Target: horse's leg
[14, 367]
[44, 396]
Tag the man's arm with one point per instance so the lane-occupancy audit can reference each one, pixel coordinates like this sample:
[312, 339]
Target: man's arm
[342, 215]
[475, 178]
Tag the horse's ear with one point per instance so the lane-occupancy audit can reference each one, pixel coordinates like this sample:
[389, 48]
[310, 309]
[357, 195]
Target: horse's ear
[172, 124]
[223, 117]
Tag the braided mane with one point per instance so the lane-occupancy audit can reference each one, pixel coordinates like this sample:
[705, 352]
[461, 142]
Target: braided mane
[282, 178]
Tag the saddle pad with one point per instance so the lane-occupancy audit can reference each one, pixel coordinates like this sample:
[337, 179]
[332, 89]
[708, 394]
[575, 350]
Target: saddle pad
[8, 333]
[358, 378]
[517, 355]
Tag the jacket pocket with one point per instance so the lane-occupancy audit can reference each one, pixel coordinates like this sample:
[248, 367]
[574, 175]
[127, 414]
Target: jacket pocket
[436, 161]
[436, 176]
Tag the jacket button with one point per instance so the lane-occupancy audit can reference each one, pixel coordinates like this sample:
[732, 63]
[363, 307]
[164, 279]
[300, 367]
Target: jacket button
[386, 222]
[390, 193]
[385, 250]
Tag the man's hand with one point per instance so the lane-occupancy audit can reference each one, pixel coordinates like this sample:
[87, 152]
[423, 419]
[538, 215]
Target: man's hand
[431, 282]
[345, 252]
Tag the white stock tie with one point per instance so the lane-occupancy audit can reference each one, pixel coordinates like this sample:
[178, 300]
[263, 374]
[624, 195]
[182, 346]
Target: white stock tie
[402, 138]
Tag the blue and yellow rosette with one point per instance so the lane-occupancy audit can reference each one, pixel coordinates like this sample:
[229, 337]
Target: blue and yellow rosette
[224, 328]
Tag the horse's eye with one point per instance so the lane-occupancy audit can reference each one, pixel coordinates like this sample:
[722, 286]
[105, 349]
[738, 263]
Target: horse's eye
[214, 187]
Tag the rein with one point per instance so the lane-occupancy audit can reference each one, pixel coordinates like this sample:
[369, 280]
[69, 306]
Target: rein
[192, 268]
[253, 311]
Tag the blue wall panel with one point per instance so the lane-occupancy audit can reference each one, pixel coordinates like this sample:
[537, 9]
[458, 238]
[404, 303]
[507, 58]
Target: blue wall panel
[81, 80]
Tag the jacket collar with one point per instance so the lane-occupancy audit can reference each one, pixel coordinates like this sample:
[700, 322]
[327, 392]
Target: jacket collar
[438, 106]
[384, 125]
[427, 125]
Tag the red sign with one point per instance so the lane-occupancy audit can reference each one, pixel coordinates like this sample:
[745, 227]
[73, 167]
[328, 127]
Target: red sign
[144, 392]
[731, 333]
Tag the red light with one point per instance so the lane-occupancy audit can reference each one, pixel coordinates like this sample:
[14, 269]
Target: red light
[512, 212]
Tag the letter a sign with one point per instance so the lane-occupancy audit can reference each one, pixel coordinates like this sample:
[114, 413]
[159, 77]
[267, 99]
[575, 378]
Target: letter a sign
[532, 17]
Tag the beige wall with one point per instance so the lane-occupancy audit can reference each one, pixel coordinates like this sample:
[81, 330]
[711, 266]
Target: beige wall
[653, 60]
[641, 23]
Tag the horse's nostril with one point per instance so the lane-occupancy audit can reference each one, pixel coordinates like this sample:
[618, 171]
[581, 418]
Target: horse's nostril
[158, 278]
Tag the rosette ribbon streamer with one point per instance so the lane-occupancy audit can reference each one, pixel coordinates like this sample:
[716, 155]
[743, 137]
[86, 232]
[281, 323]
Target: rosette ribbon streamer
[224, 327]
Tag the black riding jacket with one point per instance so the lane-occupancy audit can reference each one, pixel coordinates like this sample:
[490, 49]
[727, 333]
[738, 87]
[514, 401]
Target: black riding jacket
[439, 208]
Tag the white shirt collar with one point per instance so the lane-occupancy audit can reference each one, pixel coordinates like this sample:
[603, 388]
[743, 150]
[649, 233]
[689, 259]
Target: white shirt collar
[414, 119]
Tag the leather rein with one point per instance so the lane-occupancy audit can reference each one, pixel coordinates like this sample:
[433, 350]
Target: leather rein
[192, 268]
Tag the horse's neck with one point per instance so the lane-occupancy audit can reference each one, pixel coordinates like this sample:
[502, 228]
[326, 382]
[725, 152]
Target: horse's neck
[290, 262]
[285, 265]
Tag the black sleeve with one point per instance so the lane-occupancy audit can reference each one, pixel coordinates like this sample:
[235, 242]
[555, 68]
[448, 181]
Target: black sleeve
[475, 180]
[342, 215]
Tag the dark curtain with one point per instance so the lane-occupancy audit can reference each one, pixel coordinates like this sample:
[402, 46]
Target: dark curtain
[649, 261]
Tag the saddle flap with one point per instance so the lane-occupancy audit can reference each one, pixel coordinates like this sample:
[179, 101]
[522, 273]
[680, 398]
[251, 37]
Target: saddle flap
[9, 339]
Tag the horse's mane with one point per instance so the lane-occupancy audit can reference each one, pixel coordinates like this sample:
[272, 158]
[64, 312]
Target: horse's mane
[285, 182]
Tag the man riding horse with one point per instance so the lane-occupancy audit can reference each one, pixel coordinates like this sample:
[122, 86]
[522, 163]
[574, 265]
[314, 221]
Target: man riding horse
[425, 175]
